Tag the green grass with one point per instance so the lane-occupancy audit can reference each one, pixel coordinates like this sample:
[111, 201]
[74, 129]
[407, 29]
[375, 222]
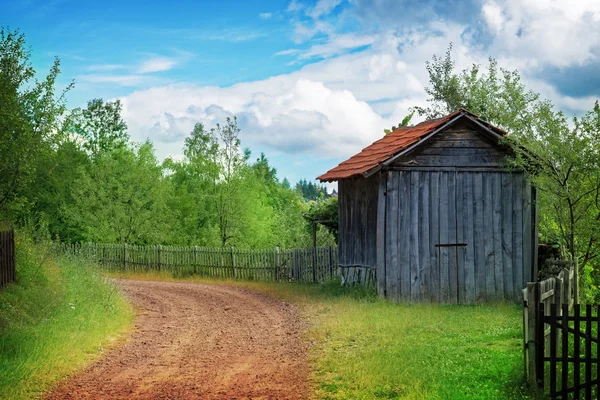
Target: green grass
[56, 318]
[368, 348]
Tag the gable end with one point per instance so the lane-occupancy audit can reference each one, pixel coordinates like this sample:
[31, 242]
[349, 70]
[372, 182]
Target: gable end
[464, 144]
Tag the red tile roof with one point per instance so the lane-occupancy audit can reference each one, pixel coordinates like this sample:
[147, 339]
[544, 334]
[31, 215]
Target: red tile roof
[393, 143]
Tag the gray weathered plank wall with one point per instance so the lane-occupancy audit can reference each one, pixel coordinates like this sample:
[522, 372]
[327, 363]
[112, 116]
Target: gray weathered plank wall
[457, 236]
[357, 237]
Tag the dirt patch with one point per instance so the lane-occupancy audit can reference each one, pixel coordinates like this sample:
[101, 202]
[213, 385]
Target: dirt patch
[196, 341]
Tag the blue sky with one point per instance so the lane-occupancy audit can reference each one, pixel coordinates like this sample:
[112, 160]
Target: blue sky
[312, 82]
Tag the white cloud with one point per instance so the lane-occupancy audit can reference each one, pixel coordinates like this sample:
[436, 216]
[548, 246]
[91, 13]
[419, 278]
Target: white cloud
[106, 67]
[265, 15]
[324, 7]
[294, 6]
[545, 31]
[156, 64]
[287, 52]
[338, 45]
[120, 80]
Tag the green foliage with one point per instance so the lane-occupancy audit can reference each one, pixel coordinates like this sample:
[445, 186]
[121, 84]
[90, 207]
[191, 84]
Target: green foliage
[101, 126]
[121, 198]
[311, 191]
[30, 112]
[325, 213]
[53, 320]
[405, 122]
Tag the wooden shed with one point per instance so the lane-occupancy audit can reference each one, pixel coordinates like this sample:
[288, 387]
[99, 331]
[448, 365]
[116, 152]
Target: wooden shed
[434, 211]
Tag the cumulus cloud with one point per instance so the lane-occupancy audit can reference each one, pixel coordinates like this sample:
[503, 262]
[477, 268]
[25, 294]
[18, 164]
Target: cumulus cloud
[285, 113]
[545, 31]
[265, 15]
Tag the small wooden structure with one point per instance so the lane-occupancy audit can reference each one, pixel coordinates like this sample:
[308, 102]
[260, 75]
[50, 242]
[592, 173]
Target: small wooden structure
[433, 209]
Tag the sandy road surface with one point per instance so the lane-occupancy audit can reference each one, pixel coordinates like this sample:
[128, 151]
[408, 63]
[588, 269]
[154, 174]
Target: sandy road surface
[196, 341]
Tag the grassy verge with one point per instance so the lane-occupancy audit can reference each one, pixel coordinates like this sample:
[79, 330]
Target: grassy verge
[367, 348]
[58, 316]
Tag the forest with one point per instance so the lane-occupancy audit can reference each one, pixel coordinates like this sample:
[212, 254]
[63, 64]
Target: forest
[76, 175]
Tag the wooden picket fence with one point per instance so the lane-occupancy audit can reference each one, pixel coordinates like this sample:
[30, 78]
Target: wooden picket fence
[545, 303]
[7, 257]
[291, 265]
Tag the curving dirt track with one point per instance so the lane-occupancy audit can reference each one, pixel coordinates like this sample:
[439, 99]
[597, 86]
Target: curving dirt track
[196, 341]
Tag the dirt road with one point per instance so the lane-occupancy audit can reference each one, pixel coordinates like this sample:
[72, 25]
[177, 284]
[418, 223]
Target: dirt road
[196, 341]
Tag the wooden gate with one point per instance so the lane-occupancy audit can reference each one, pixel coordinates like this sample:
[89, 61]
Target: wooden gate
[571, 364]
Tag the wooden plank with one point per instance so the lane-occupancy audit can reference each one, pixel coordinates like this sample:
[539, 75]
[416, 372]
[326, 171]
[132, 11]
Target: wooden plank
[517, 229]
[577, 351]
[488, 237]
[565, 352]
[452, 161]
[588, 351]
[532, 288]
[460, 238]
[402, 243]
[527, 231]
[444, 251]
[381, 233]
[453, 251]
[469, 237]
[423, 234]
[434, 236]
[497, 235]
[478, 232]
[460, 142]
[553, 346]
[507, 249]
[415, 266]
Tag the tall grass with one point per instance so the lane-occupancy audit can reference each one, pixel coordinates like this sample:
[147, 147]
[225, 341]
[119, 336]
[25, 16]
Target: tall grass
[364, 347]
[57, 316]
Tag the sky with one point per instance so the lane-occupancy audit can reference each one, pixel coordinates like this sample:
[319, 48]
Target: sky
[311, 82]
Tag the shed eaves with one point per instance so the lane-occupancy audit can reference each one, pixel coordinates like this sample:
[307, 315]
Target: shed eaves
[392, 144]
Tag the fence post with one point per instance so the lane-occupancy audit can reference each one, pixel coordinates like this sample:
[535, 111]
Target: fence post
[532, 290]
[539, 348]
[233, 261]
[125, 257]
[158, 256]
[276, 264]
[330, 262]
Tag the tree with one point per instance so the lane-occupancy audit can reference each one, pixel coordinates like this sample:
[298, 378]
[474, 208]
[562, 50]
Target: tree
[30, 112]
[121, 198]
[563, 160]
[193, 189]
[101, 125]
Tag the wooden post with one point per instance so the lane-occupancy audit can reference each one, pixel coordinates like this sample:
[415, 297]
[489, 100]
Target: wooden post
[330, 262]
[125, 257]
[233, 261]
[532, 300]
[314, 255]
[576, 279]
[276, 264]
[158, 256]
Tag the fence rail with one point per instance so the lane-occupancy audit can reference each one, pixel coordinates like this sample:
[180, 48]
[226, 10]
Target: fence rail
[293, 265]
[7, 257]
